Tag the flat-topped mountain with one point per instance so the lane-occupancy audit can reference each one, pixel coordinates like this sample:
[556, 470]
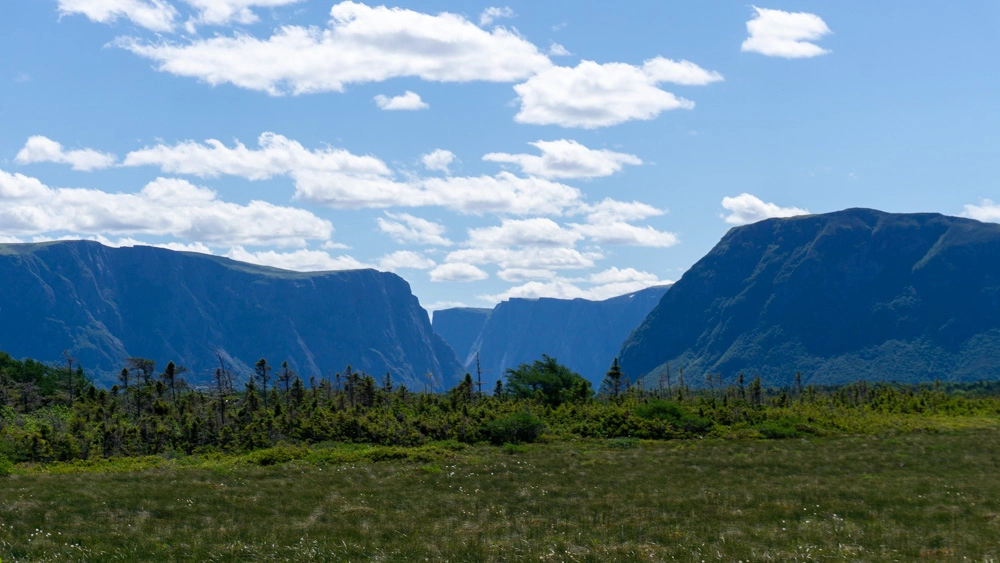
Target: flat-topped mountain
[840, 296]
[583, 335]
[104, 304]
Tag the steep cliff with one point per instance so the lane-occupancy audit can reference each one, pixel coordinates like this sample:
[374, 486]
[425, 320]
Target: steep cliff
[583, 335]
[105, 304]
[840, 296]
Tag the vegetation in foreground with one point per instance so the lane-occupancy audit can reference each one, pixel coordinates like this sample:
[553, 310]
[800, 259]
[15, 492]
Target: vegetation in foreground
[50, 414]
[859, 498]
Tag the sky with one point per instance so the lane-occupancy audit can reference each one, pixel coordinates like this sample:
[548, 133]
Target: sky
[487, 151]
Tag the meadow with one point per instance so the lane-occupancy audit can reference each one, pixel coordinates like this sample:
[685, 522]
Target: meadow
[899, 496]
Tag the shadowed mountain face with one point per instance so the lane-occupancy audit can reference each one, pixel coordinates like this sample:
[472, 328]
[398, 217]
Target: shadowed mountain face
[583, 335]
[841, 296]
[105, 304]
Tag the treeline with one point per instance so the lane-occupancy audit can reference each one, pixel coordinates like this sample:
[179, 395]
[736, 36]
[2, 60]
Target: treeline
[53, 413]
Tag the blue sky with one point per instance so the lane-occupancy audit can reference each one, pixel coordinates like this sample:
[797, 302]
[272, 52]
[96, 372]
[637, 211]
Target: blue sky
[483, 151]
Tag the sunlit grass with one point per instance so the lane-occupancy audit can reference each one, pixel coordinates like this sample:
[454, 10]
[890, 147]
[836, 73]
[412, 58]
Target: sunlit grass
[874, 498]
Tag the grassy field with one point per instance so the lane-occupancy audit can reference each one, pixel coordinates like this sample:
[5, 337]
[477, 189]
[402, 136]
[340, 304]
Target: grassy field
[898, 498]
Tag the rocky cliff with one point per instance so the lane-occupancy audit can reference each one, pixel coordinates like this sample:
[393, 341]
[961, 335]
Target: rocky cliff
[104, 304]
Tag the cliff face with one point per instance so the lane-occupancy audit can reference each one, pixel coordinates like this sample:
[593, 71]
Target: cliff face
[105, 304]
[840, 296]
[583, 335]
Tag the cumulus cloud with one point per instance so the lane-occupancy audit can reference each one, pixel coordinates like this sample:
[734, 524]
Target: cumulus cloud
[223, 12]
[277, 155]
[537, 232]
[340, 179]
[457, 272]
[405, 259]
[557, 50]
[593, 95]
[43, 149]
[154, 15]
[566, 159]
[746, 208]
[439, 160]
[163, 207]
[405, 228]
[619, 232]
[493, 13]
[603, 285]
[299, 260]
[987, 210]
[503, 193]
[362, 44]
[438, 305]
[527, 258]
[610, 210]
[785, 34]
[408, 101]
[518, 275]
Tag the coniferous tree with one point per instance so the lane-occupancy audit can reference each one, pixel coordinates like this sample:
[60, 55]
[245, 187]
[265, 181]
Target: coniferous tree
[262, 372]
[612, 385]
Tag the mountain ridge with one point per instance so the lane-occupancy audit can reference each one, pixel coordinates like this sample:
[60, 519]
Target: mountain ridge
[853, 294]
[103, 304]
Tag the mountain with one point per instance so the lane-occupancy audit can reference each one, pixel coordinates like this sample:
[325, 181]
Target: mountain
[840, 296]
[583, 335]
[460, 327]
[103, 305]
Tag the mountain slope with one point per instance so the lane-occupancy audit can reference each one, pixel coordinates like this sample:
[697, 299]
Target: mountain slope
[104, 304]
[841, 296]
[583, 335]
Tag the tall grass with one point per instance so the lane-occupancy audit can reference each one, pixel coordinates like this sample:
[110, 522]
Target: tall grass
[893, 497]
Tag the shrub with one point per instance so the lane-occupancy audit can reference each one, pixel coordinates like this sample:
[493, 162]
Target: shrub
[778, 429]
[6, 466]
[515, 429]
[676, 415]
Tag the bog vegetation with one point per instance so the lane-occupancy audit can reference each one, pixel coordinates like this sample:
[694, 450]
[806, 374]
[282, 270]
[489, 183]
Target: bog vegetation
[50, 413]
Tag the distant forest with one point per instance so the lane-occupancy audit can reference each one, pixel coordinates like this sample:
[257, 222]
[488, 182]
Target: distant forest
[55, 413]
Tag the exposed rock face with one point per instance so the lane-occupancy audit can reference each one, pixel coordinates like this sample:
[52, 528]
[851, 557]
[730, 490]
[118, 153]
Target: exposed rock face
[105, 304]
[841, 296]
[583, 335]
[460, 327]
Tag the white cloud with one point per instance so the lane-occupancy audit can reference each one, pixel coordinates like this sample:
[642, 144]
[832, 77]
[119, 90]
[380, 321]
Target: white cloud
[595, 95]
[611, 211]
[405, 228]
[619, 232]
[522, 232]
[362, 44]
[408, 101]
[340, 179]
[457, 272]
[43, 149]
[785, 34]
[155, 15]
[566, 159]
[298, 260]
[503, 193]
[223, 12]
[557, 50]
[518, 275]
[986, 211]
[439, 160]
[493, 13]
[746, 208]
[4, 239]
[438, 305]
[527, 258]
[277, 155]
[163, 207]
[405, 259]
[603, 285]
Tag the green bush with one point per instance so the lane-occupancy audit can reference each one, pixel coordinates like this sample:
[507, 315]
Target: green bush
[514, 429]
[6, 466]
[676, 415]
[778, 429]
